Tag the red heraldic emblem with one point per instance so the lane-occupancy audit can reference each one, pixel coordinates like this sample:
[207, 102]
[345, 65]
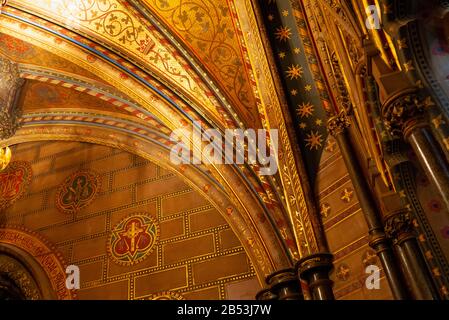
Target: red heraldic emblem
[133, 239]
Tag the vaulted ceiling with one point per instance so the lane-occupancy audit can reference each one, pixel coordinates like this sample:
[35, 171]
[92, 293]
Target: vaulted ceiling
[127, 73]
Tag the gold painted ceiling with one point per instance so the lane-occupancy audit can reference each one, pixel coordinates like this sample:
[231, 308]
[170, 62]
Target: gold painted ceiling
[158, 66]
[207, 29]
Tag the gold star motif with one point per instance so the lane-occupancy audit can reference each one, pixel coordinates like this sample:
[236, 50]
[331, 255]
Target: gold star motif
[347, 195]
[294, 72]
[428, 102]
[305, 110]
[436, 272]
[419, 84]
[402, 44]
[446, 143]
[314, 140]
[302, 125]
[282, 55]
[308, 87]
[318, 122]
[270, 17]
[285, 13]
[324, 209]
[330, 145]
[438, 121]
[297, 50]
[408, 66]
[343, 272]
[283, 33]
[294, 92]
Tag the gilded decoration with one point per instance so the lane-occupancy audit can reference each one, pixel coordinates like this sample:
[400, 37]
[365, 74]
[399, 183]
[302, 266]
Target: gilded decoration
[398, 225]
[133, 239]
[398, 112]
[44, 254]
[14, 182]
[77, 191]
[113, 22]
[166, 295]
[207, 28]
[21, 279]
[10, 84]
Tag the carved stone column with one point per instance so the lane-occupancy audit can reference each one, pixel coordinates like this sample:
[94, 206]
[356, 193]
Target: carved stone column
[337, 127]
[10, 85]
[398, 228]
[315, 270]
[266, 295]
[404, 116]
[282, 285]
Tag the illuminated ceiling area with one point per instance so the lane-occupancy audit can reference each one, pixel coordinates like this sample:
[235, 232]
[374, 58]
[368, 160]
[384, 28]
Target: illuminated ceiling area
[125, 74]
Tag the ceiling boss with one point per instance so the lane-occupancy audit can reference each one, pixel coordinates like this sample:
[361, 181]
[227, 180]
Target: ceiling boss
[10, 85]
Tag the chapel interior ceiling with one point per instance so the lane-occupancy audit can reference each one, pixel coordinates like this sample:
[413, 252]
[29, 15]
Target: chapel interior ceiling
[205, 68]
[179, 85]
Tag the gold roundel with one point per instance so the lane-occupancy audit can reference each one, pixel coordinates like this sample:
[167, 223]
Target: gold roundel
[14, 182]
[133, 239]
[77, 191]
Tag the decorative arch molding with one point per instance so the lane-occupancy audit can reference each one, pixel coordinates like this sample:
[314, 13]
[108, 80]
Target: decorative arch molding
[239, 209]
[39, 258]
[265, 194]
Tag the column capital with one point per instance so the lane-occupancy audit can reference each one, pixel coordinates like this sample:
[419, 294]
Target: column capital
[405, 111]
[338, 123]
[10, 84]
[398, 226]
[315, 261]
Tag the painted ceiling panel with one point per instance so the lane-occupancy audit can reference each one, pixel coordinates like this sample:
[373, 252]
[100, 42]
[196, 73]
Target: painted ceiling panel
[113, 24]
[44, 96]
[23, 52]
[207, 29]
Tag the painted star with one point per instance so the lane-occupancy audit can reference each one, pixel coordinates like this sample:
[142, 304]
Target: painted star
[402, 44]
[446, 143]
[303, 125]
[283, 33]
[314, 140]
[294, 72]
[438, 121]
[305, 110]
[330, 145]
[294, 92]
[297, 50]
[308, 87]
[285, 13]
[428, 102]
[282, 55]
[318, 122]
[270, 17]
[408, 66]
